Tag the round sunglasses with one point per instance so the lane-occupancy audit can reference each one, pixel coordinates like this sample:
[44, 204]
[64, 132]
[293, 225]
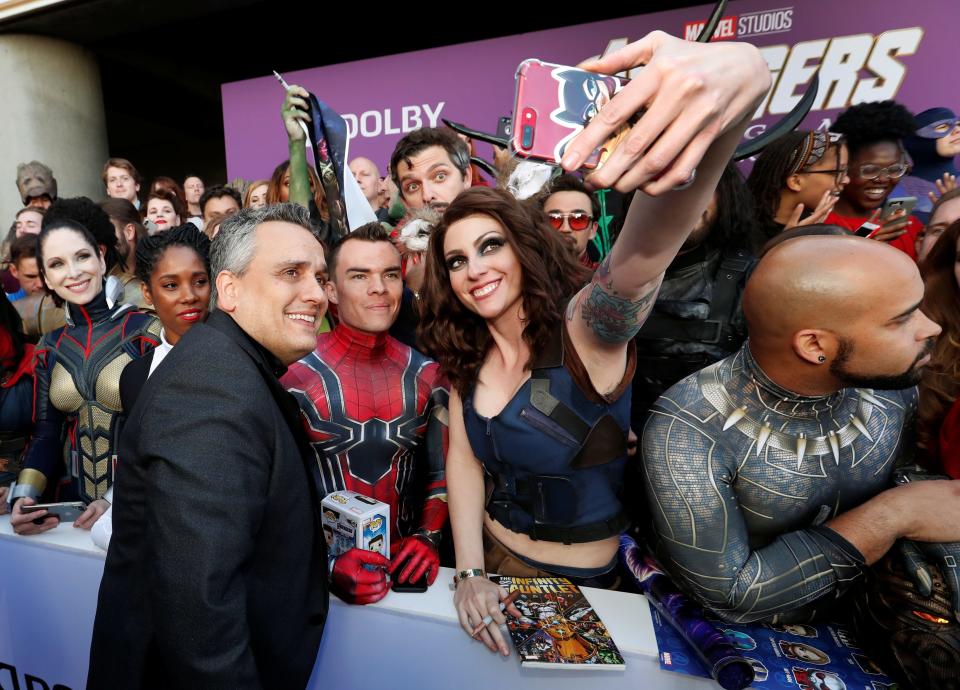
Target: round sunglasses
[578, 220]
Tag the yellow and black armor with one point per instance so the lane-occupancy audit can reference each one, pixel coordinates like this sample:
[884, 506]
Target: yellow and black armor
[77, 398]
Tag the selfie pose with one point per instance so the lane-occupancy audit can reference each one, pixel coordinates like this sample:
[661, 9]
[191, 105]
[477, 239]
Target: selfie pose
[540, 376]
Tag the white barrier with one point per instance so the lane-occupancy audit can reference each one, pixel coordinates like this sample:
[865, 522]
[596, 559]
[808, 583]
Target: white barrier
[48, 596]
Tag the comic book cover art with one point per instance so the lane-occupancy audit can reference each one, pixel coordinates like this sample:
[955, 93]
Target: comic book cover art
[558, 627]
[797, 656]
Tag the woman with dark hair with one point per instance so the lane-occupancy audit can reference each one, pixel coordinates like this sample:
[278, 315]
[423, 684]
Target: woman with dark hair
[77, 369]
[938, 412]
[540, 367]
[175, 269]
[874, 134]
[163, 211]
[16, 395]
[798, 179]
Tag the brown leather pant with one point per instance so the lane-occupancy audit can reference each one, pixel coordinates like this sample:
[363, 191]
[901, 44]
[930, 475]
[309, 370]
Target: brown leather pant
[498, 558]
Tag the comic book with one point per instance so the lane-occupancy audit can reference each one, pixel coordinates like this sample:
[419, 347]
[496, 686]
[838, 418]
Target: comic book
[558, 628]
[793, 656]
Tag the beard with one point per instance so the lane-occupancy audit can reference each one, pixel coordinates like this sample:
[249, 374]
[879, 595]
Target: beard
[883, 382]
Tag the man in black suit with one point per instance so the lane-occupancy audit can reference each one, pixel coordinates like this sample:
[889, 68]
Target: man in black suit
[216, 575]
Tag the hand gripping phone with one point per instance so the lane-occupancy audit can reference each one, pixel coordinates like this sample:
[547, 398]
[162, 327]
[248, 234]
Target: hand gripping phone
[553, 104]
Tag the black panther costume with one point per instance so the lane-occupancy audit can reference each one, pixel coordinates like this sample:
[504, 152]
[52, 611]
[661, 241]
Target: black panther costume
[741, 475]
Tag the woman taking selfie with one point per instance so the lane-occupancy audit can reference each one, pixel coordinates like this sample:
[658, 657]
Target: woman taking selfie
[540, 375]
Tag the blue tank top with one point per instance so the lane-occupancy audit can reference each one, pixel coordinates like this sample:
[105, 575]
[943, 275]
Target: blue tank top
[555, 456]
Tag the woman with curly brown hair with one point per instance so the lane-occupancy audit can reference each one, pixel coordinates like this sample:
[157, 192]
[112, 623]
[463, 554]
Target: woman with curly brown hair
[540, 367]
[938, 418]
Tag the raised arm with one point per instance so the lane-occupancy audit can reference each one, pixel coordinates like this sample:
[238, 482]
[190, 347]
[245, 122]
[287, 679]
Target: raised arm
[296, 109]
[698, 99]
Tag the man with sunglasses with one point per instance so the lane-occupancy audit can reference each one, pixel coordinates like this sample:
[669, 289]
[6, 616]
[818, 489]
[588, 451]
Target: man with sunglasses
[573, 211]
[878, 161]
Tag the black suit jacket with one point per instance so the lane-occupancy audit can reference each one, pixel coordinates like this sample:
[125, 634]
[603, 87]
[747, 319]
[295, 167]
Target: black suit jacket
[132, 378]
[216, 575]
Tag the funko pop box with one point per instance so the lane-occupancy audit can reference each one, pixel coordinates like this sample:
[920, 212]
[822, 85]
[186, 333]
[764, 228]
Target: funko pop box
[353, 520]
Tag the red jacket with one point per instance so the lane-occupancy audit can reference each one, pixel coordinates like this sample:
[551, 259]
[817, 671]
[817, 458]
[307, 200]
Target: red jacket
[907, 242]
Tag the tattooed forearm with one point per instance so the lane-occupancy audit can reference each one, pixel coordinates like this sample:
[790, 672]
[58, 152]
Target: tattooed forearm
[616, 319]
[613, 318]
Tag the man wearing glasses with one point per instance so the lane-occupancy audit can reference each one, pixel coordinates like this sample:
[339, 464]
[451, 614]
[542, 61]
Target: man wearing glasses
[874, 134]
[572, 211]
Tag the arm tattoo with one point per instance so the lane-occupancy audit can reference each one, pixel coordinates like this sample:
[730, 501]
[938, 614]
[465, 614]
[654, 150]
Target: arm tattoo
[612, 317]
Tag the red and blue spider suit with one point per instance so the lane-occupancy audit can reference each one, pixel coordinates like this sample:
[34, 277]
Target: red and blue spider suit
[375, 411]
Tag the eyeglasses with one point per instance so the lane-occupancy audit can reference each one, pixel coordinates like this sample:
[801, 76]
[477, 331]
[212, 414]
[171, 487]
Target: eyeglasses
[869, 171]
[578, 220]
[840, 173]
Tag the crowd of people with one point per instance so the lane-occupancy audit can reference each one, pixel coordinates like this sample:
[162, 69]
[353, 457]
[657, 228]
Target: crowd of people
[759, 380]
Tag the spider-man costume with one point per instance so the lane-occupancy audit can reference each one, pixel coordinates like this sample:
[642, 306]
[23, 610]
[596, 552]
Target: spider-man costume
[375, 411]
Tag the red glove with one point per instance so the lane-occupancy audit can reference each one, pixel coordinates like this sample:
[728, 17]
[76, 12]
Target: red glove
[419, 556]
[356, 584]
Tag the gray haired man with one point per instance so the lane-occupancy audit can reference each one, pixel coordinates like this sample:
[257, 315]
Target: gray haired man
[216, 574]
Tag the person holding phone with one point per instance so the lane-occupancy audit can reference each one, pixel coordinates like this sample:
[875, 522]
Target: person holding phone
[878, 161]
[539, 365]
[89, 353]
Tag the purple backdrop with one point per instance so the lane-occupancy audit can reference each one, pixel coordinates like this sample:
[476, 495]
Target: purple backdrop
[894, 49]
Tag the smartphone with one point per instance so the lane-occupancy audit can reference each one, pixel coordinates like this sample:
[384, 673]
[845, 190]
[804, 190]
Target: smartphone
[504, 127]
[867, 229]
[66, 512]
[415, 586]
[894, 204]
[552, 106]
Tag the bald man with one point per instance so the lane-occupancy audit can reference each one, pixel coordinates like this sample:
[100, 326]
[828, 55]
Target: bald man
[367, 175]
[769, 473]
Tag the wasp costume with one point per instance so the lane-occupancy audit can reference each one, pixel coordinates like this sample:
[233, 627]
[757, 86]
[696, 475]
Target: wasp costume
[77, 398]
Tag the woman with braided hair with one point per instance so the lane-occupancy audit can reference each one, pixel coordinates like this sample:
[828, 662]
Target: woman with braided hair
[175, 269]
[797, 180]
